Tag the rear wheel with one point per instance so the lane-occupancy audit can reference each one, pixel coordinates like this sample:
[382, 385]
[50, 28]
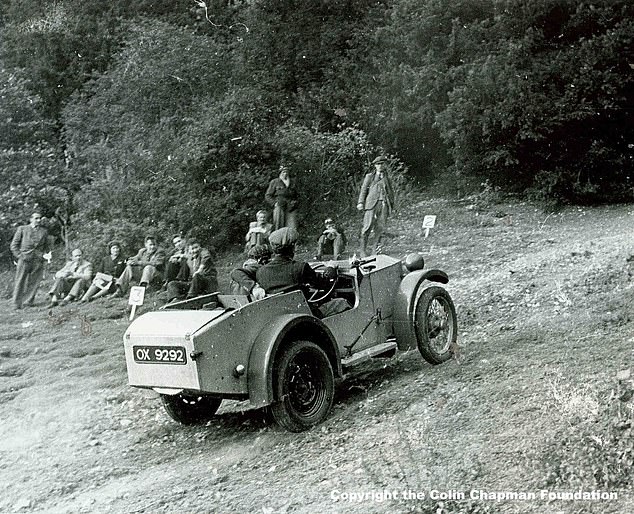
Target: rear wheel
[304, 386]
[435, 324]
[190, 409]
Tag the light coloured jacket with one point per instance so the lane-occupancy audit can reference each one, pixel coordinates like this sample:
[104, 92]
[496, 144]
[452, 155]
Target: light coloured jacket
[79, 269]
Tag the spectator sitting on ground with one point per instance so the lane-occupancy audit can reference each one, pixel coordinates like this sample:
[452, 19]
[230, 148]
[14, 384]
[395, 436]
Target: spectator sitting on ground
[146, 266]
[175, 260]
[197, 276]
[243, 279]
[259, 231]
[331, 242]
[111, 266]
[71, 280]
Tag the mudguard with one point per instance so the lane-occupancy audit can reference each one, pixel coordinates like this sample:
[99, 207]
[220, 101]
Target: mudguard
[268, 342]
[405, 301]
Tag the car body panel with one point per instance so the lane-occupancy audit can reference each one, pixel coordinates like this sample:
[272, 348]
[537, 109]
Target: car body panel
[405, 299]
[173, 328]
[286, 328]
[370, 322]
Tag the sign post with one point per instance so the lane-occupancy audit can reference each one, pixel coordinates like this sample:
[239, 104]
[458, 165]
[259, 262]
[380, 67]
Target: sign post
[137, 294]
[428, 223]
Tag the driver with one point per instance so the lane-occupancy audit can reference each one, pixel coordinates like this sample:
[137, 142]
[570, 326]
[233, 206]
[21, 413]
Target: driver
[282, 272]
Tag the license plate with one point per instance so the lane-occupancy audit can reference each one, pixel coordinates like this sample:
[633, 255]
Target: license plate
[159, 354]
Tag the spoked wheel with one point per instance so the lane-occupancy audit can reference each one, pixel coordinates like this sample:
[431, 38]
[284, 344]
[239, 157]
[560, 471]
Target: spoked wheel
[435, 324]
[304, 386]
[190, 409]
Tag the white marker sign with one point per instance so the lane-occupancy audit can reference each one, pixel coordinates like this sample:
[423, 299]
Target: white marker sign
[137, 294]
[428, 223]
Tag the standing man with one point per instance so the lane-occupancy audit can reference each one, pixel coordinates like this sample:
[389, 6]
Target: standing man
[29, 246]
[197, 276]
[282, 196]
[376, 200]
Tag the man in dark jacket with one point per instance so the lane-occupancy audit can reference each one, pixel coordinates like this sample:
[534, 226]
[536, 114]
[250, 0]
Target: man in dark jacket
[282, 196]
[197, 276]
[243, 279]
[283, 273]
[146, 266]
[110, 267]
[30, 246]
[175, 260]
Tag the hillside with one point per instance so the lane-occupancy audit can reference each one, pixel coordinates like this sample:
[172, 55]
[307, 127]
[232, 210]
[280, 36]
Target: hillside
[531, 403]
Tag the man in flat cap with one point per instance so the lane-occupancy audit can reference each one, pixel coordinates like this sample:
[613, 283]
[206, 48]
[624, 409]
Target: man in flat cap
[376, 201]
[282, 272]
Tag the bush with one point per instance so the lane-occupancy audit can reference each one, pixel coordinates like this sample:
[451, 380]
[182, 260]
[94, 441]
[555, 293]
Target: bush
[329, 169]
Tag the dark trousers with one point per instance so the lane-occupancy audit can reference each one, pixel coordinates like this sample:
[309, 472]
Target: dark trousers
[374, 220]
[327, 246]
[74, 287]
[28, 276]
[197, 286]
[172, 270]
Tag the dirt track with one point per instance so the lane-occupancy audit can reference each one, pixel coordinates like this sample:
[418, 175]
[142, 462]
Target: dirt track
[544, 304]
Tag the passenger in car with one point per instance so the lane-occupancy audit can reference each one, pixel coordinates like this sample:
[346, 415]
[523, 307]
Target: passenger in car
[243, 280]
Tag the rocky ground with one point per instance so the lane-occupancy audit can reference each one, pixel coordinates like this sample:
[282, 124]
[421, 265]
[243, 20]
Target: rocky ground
[535, 402]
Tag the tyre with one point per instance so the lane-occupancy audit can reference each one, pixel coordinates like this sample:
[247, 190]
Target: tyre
[190, 409]
[304, 386]
[435, 324]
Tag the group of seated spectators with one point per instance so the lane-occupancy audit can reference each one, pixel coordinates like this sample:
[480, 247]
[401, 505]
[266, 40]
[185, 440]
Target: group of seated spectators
[188, 271]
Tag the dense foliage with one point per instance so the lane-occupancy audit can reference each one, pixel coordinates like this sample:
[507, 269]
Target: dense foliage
[176, 114]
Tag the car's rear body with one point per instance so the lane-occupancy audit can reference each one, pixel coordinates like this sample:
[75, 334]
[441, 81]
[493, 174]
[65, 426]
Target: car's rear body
[207, 346]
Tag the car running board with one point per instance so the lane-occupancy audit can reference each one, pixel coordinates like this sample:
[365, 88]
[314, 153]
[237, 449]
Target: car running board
[367, 354]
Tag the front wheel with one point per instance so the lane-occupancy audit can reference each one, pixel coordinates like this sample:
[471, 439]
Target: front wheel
[190, 409]
[304, 386]
[435, 324]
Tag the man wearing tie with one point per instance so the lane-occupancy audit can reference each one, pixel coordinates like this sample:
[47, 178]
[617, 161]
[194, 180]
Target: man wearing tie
[376, 200]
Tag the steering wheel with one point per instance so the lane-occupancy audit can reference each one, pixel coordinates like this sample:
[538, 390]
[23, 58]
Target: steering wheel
[325, 294]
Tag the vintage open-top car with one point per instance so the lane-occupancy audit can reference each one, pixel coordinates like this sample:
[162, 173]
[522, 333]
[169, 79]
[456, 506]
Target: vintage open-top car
[279, 351]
